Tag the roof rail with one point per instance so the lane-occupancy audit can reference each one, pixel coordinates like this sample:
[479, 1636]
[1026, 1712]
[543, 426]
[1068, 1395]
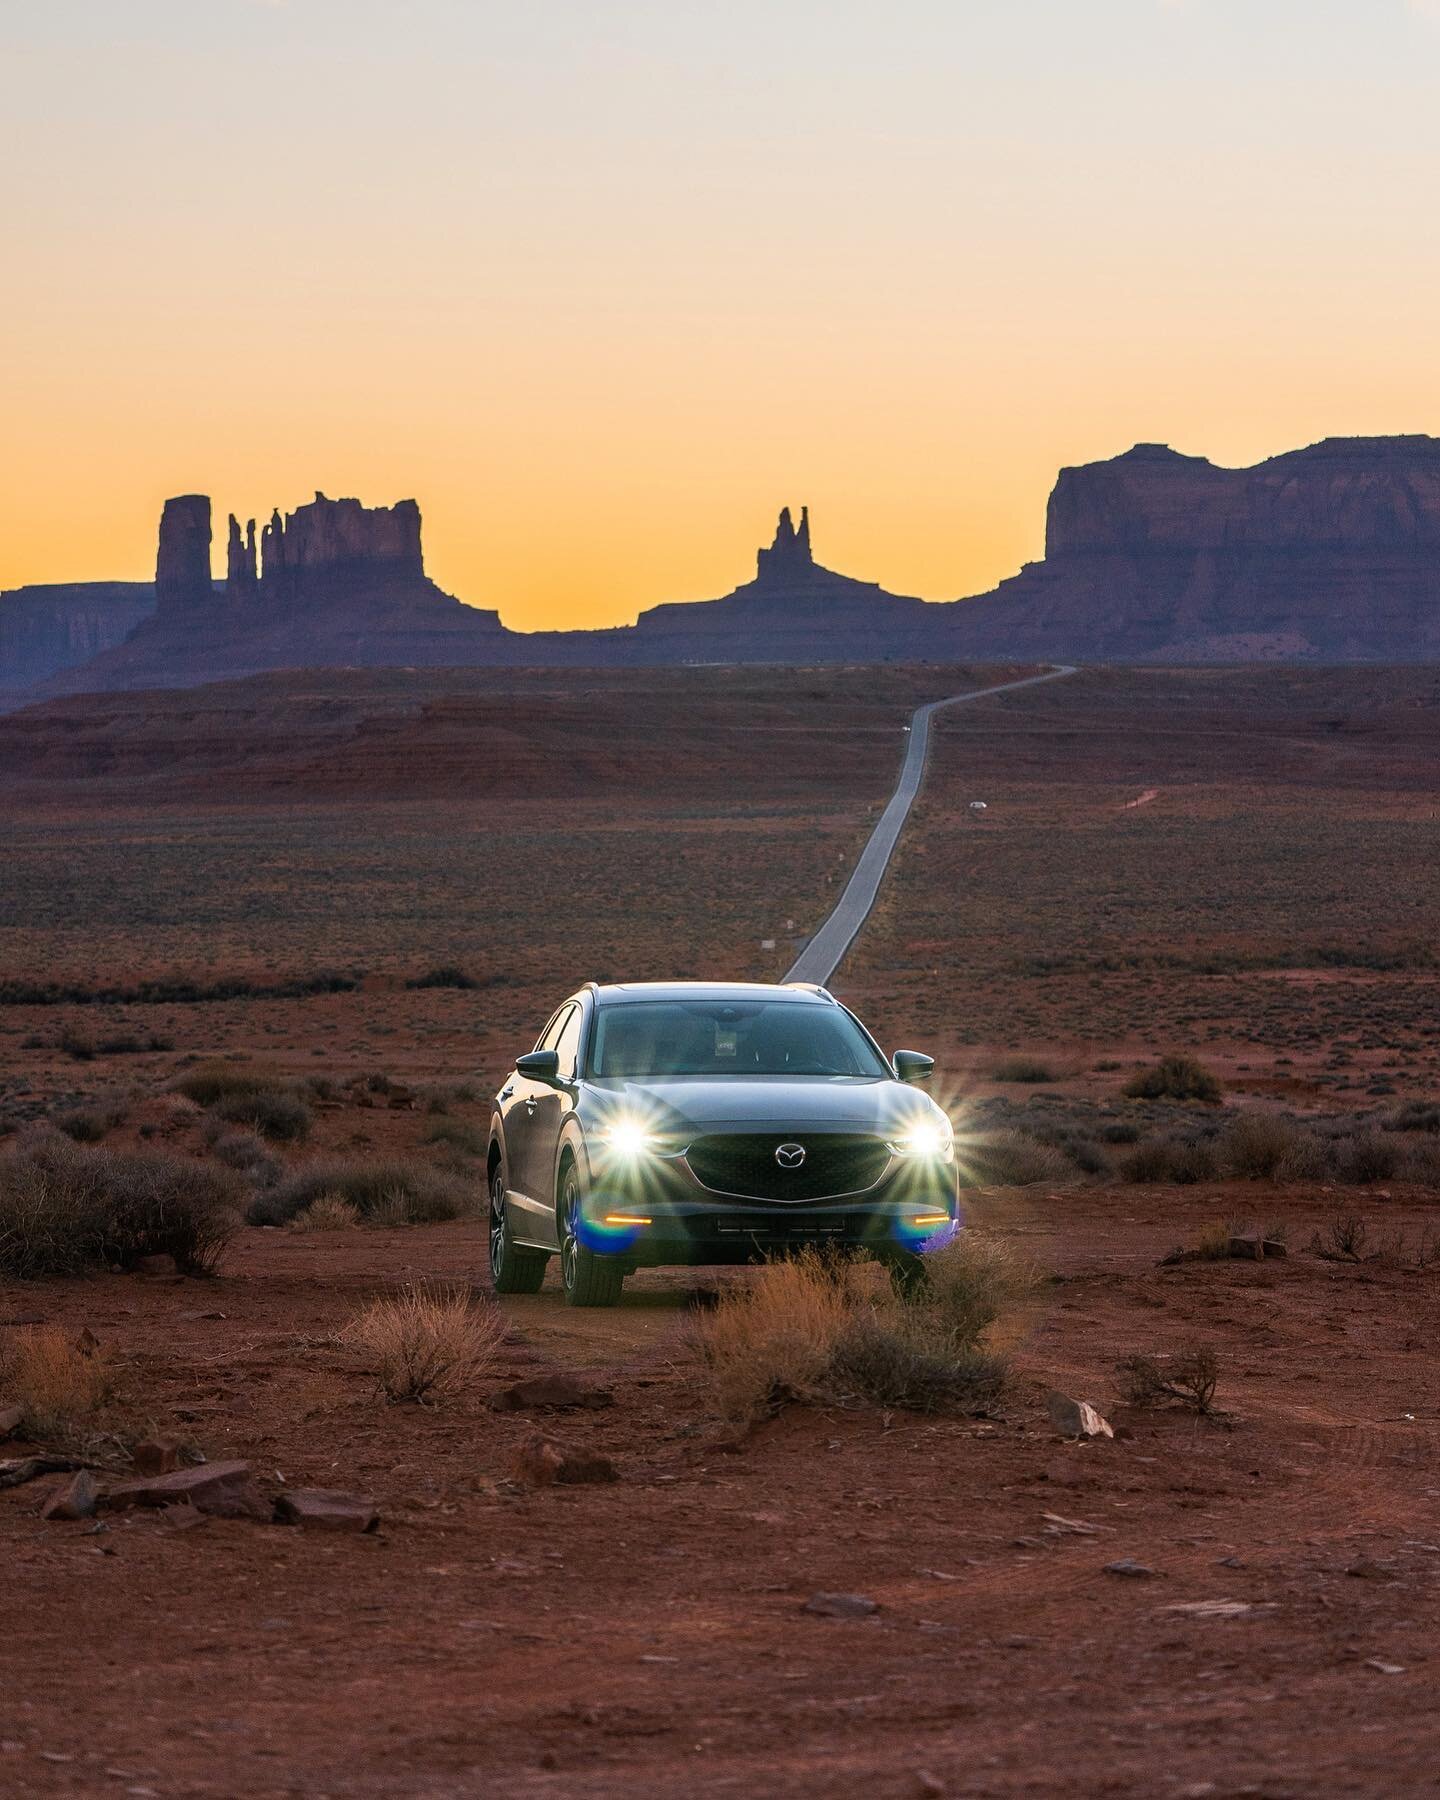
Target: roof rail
[810, 987]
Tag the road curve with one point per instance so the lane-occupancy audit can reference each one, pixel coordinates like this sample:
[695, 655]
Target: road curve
[824, 953]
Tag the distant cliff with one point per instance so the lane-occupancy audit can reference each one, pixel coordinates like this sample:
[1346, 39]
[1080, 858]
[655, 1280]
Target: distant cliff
[1325, 554]
[46, 629]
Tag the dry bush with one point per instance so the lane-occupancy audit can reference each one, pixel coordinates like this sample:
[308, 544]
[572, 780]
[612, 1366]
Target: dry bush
[774, 1337]
[1256, 1145]
[64, 1209]
[1365, 1156]
[88, 1124]
[426, 1342]
[1175, 1078]
[393, 1192]
[1026, 1070]
[1177, 1161]
[470, 1140]
[968, 1284]
[1011, 1158]
[212, 1082]
[1420, 1163]
[1415, 1115]
[245, 1151]
[1307, 1159]
[278, 1113]
[59, 1385]
[1344, 1240]
[1213, 1243]
[1188, 1378]
[331, 1212]
[823, 1326]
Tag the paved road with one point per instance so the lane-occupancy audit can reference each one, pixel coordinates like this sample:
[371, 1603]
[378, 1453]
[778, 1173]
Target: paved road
[824, 953]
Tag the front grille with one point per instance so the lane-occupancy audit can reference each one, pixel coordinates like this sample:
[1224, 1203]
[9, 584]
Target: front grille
[834, 1165]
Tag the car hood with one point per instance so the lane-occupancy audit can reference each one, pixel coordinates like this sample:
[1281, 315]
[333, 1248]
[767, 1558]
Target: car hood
[765, 1102]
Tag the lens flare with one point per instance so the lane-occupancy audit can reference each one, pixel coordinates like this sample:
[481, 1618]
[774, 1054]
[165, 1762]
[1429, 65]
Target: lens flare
[931, 1139]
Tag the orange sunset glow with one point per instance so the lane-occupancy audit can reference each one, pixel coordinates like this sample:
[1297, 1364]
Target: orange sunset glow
[603, 286]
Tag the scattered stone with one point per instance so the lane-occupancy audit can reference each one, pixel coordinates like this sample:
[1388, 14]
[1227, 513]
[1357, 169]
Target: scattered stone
[1076, 1418]
[327, 1509]
[191, 1318]
[556, 1390]
[1057, 1525]
[10, 1420]
[1381, 1667]
[541, 1461]
[73, 1499]
[1252, 1247]
[17, 1470]
[155, 1456]
[929, 1785]
[841, 1606]
[1217, 1609]
[1127, 1566]
[1366, 1570]
[224, 1490]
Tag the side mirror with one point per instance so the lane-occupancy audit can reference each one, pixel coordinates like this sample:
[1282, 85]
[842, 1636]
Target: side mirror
[913, 1065]
[539, 1065]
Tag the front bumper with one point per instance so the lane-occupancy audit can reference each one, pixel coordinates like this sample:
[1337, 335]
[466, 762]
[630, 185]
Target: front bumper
[655, 1212]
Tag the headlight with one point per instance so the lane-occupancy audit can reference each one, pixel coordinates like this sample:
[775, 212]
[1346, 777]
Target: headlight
[930, 1139]
[629, 1138]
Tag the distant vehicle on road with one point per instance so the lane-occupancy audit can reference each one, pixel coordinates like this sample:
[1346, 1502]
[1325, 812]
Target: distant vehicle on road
[695, 1122]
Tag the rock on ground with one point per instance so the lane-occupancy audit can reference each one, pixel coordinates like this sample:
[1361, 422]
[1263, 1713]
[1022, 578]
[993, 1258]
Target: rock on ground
[327, 1509]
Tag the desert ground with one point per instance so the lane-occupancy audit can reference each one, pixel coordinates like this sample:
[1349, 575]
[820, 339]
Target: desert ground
[369, 890]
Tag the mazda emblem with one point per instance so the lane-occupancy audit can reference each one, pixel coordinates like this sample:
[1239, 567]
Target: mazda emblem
[790, 1156]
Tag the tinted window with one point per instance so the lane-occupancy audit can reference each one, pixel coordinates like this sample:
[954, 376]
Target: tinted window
[550, 1036]
[768, 1037]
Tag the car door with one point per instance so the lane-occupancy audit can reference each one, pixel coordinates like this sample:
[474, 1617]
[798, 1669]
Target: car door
[553, 1105]
[531, 1211]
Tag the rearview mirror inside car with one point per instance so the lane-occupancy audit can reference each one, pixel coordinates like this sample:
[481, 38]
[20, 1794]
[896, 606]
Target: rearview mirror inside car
[913, 1065]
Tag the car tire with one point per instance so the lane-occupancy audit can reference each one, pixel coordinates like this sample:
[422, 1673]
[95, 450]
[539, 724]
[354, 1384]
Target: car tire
[512, 1271]
[588, 1278]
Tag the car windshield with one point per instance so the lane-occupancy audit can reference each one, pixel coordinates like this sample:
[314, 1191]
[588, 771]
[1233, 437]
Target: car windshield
[705, 1037]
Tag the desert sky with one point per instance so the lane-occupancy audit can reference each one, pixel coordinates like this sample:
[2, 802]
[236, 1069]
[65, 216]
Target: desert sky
[603, 283]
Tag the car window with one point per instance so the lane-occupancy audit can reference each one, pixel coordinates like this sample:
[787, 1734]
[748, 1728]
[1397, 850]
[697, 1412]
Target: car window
[550, 1036]
[682, 1037]
[568, 1041]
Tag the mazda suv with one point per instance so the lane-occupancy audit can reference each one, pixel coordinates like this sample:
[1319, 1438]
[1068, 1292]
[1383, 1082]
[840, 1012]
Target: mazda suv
[659, 1123]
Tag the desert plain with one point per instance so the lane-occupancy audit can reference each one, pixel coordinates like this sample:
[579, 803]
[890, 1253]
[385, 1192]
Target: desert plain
[373, 887]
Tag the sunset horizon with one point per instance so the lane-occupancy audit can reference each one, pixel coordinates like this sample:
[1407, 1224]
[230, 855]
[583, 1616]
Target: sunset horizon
[602, 291]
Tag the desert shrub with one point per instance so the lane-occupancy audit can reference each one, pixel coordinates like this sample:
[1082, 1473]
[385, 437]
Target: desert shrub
[774, 1337]
[443, 975]
[386, 1192]
[1123, 1131]
[1420, 1163]
[1365, 1156]
[1415, 1115]
[58, 1384]
[1028, 1070]
[1307, 1159]
[821, 1326]
[471, 1139]
[427, 1343]
[64, 1209]
[278, 1113]
[77, 1044]
[1345, 1239]
[1177, 1161]
[87, 1124]
[245, 1151]
[968, 1284]
[1175, 1078]
[1254, 1146]
[1188, 1378]
[329, 1213]
[213, 1082]
[1010, 1157]
[884, 1358]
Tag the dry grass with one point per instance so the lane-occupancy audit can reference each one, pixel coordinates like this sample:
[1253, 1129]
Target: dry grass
[1175, 1078]
[427, 1342]
[1010, 1157]
[820, 1326]
[60, 1385]
[1026, 1070]
[331, 1212]
[396, 1191]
